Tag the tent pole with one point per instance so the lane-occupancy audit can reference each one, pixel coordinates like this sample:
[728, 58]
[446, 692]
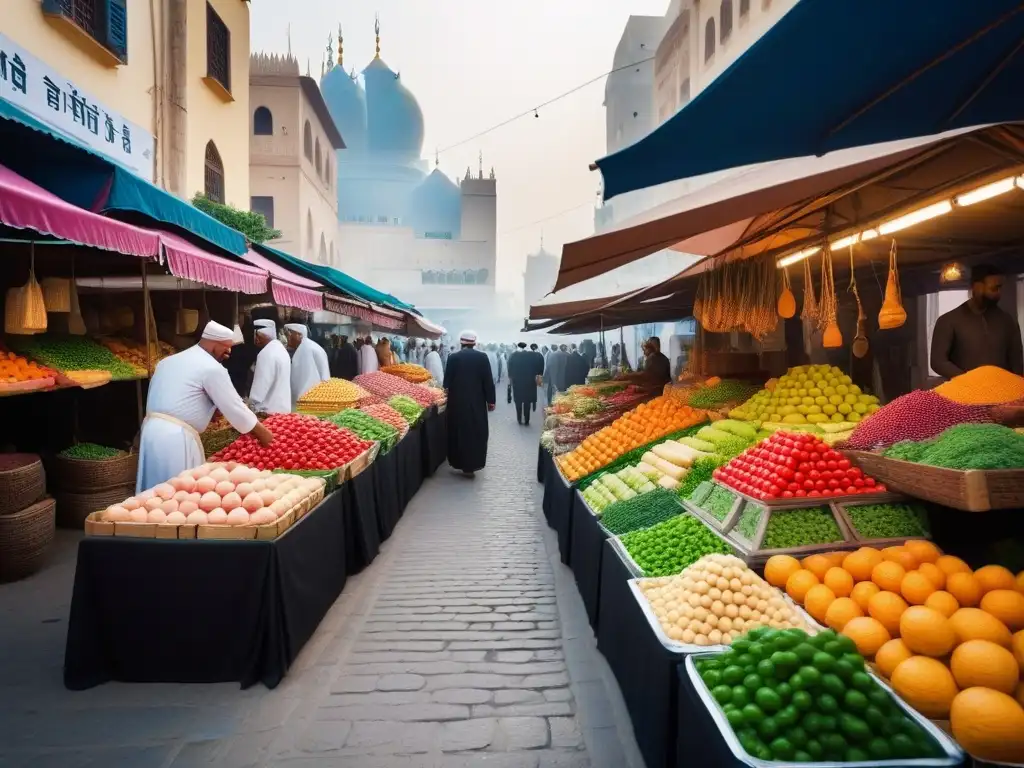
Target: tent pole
[146, 311]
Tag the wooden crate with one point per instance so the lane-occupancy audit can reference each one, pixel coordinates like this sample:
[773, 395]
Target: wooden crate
[360, 463]
[973, 490]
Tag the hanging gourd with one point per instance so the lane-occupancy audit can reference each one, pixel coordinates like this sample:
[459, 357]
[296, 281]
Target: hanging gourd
[860, 341]
[810, 310]
[892, 314]
[787, 301]
[827, 320]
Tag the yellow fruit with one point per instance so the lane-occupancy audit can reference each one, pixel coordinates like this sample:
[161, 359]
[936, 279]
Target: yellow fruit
[841, 611]
[860, 563]
[839, 581]
[779, 568]
[799, 583]
[989, 725]
[923, 550]
[1017, 646]
[890, 655]
[901, 556]
[1007, 605]
[952, 564]
[976, 624]
[863, 592]
[867, 634]
[934, 574]
[995, 577]
[943, 602]
[979, 662]
[887, 608]
[888, 575]
[926, 685]
[964, 587]
[926, 631]
[817, 600]
[817, 564]
[916, 587]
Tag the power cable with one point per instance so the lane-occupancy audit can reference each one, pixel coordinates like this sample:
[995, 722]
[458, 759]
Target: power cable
[546, 218]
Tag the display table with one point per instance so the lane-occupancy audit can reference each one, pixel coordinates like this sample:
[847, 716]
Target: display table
[362, 542]
[202, 611]
[435, 441]
[558, 502]
[385, 491]
[587, 547]
[409, 464]
[644, 668]
[543, 459]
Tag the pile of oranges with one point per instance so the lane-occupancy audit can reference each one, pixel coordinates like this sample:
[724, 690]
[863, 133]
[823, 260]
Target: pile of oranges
[948, 638]
[15, 369]
[640, 426]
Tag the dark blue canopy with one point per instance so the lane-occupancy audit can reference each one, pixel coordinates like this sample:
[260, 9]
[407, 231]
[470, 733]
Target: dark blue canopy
[834, 74]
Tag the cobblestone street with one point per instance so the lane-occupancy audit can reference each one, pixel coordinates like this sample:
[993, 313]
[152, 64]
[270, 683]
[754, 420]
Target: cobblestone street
[464, 644]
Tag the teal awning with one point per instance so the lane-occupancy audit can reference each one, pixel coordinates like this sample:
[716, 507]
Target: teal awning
[75, 173]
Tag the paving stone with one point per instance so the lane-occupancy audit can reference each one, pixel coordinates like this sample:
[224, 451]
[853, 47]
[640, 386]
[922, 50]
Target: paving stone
[461, 696]
[399, 737]
[522, 733]
[477, 733]
[545, 709]
[514, 657]
[401, 712]
[565, 732]
[515, 696]
[324, 737]
[403, 682]
[472, 680]
[378, 697]
[552, 680]
[557, 694]
[355, 684]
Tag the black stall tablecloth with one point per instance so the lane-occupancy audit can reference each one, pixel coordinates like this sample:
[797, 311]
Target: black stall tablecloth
[543, 459]
[409, 464]
[362, 544]
[385, 492]
[435, 441]
[558, 503]
[587, 548]
[644, 668]
[202, 611]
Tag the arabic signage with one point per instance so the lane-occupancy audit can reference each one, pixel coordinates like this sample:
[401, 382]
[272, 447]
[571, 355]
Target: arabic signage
[36, 88]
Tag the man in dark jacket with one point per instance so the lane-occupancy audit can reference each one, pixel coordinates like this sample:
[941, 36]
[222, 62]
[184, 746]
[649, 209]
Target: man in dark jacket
[576, 369]
[347, 360]
[523, 370]
[470, 386]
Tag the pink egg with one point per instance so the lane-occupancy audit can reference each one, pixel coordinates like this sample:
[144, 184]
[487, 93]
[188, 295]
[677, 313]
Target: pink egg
[220, 474]
[131, 503]
[199, 473]
[268, 497]
[181, 496]
[217, 517]
[224, 487]
[153, 503]
[175, 483]
[205, 484]
[187, 507]
[252, 502]
[169, 506]
[156, 516]
[117, 514]
[244, 489]
[138, 515]
[163, 490]
[187, 483]
[231, 501]
[194, 497]
[262, 517]
[209, 502]
[239, 474]
[176, 518]
[238, 517]
[144, 496]
[197, 517]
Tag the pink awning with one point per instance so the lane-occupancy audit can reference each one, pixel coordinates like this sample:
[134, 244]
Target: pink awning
[192, 263]
[24, 205]
[288, 288]
[369, 313]
[275, 270]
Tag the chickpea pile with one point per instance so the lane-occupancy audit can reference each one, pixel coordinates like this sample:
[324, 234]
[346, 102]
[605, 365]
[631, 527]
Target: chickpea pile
[716, 600]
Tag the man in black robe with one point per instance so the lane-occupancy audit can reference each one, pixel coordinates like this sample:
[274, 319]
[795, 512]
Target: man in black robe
[538, 361]
[576, 369]
[522, 374]
[470, 386]
[347, 360]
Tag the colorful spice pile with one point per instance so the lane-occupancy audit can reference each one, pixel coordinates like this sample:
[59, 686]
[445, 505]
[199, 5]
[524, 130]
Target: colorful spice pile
[414, 374]
[410, 409]
[386, 385]
[367, 427]
[987, 385]
[388, 415]
[966, 446]
[74, 353]
[919, 415]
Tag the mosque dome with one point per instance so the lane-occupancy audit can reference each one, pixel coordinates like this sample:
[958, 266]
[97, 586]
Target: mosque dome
[435, 206]
[394, 118]
[346, 101]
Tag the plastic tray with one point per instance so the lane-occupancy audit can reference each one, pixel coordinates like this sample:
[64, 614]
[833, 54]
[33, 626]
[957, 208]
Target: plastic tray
[841, 508]
[726, 523]
[635, 569]
[752, 552]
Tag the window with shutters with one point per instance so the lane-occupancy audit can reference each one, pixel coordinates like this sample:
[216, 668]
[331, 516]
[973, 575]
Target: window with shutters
[709, 40]
[218, 49]
[213, 176]
[263, 205]
[98, 21]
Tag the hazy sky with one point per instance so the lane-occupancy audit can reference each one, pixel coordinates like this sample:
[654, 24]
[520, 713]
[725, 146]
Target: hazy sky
[473, 64]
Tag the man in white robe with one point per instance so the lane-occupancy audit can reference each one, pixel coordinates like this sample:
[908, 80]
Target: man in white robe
[492, 358]
[368, 357]
[185, 391]
[309, 362]
[432, 362]
[271, 389]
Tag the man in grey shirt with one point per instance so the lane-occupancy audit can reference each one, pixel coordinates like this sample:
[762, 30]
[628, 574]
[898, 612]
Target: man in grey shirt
[978, 332]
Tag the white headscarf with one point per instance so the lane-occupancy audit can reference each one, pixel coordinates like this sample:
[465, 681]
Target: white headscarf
[266, 328]
[216, 332]
[298, 328]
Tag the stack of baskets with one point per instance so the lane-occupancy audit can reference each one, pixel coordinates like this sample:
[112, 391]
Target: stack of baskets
[26, 516]
[82, 486]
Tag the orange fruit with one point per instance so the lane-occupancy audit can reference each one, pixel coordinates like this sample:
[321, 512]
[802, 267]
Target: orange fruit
[934, 574]
[1007, 605]
[863, 592]
[836, 558]
[900, 555]
[1017, 646]
[964, 587]
[799, 583]
[840, 581]
[925, 684]
[926, 631]
[817, 600]
[860, 563]
[887, 608]
[989, 725]
[980, 662]
[916, 587]
[1018, 693]
[952, 564]
[867, 634]
[943, 602]
[840, 612]
[976, 624]
[890, 655]
[817, 564]
[888, 575]
[995, 577]
[779, 568]
[1020, 581]
[924, 550]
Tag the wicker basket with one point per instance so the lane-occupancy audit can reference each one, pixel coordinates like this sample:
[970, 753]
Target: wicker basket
[22, 481]
[86, 475]
[24, 538]
[56, 294]
[73, 508]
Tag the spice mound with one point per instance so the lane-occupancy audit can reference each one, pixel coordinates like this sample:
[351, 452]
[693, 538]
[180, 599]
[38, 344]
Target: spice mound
[987, 385]
[966, 446]
[918, 415]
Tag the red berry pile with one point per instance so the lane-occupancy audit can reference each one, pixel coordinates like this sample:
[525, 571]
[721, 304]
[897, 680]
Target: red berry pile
[788, 466]
[919, 415]
[300, 442]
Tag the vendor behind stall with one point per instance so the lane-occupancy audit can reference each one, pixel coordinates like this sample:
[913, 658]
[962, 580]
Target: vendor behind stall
[657, 372]
[271, 389]
[978, 332]
[184, 392]
[309, 361]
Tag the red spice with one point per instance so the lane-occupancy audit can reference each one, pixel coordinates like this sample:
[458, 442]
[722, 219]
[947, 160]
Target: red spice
[919, 415]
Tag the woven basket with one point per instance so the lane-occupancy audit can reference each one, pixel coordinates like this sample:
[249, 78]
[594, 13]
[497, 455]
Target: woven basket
[24, 538]
[73, 508]
[57, 294]
[85, 475]
[22, 481]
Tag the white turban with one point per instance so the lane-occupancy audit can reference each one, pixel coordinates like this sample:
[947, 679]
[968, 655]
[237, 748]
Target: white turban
[298, 328]
[265, 324]
[217, 332]
[467, 337]
[266, 328]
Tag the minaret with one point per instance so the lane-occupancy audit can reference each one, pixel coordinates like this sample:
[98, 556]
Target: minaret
[376, 31]
[480, 173]
[330, 52]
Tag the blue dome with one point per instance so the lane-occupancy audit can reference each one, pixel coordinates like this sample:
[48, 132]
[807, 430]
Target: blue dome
[435, 206]
[347, 103]
[394, 118]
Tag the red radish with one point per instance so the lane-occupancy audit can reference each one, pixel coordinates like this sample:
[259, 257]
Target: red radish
[205, 484]
[217, 517]
[224, 487]
[238, 517]
[209, 502]
[157, 516]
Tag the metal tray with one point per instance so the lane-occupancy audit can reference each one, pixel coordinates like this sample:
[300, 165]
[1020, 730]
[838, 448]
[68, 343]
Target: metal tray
[841, 508]
[725, 524]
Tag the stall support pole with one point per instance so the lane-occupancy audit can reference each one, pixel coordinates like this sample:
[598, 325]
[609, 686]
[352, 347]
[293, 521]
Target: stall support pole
[147, 311]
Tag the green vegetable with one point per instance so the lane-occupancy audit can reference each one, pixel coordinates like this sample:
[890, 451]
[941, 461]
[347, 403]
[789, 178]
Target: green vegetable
[700, 473]
[719, 502]
[90, 452]
[888, 521]
[739, 428]
[409, 408]
[72, 353]
[789, 528]
[669, 547]
[966, 446]
[633, 457]
[641, 511]
[750, 518]
[725, 391]
[367, 427]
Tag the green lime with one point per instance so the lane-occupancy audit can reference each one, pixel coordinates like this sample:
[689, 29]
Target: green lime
[856, 661]
[752, 682]
[880, 698]
[812, 723]
[732, 675]
[712, 678]
[927, 747]
[797, 683]
[822, 638]
[856, 755]
[757, 633]
[828, 723]
[750, 743]
[902, 746]
[768, 729]
[746, 661]
[785, 662]
[834, 745]
[874, 718]
[862, 681]
[785, 641]
[828, 704]
[855, 701]
[833, 648]
[735, 718]
[811, 676]
[854, 728]
[713, 663]
[802, 700]
[844, 670]
[782, 748]
[722, 694]
[787, 716]
[893, 725]
[759, 651]
[768, 700]
[766, 669]
[763, 753]
[814, 749]
[746, 732]
[785, 691]
[823, 662]
[740, 696]
[802, 757]
[805, 652]
[798, 736]
[832, 685]
[741, 645]
[847, 644]
[752, 715]
[879, 749]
